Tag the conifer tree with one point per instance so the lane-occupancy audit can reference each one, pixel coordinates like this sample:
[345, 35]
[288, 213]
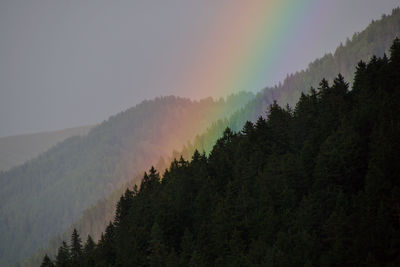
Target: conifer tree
[63, 258]
[89, 252]
[47, 262]
[106, 246]
[76, 248]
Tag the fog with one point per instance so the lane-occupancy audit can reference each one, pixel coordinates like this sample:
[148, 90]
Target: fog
[71, 63]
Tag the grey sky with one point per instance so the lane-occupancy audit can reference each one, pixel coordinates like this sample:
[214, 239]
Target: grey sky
[69, 63]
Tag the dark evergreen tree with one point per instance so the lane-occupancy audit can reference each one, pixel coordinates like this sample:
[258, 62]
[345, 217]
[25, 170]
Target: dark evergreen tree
[76, 248]
[63, 258]
[47, 262]
[106, 254]
[89, 252]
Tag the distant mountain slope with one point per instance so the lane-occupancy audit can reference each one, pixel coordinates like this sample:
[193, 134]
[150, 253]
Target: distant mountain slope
[315, 186]
[43, 196]
[15, 150]
[374, 40]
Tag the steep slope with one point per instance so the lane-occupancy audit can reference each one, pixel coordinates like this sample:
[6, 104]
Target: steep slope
[315, 186]
[375, 39]
[15, 150]
[45, 195]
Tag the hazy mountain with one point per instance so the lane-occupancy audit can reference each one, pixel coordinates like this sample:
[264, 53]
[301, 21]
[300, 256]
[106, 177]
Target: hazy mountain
[318, 185]
[15, 150]
[374, 40]
[43, 196]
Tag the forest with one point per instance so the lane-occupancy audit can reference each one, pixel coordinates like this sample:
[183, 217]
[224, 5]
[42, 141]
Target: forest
[375, 39]
[43, 196]
[313, 185]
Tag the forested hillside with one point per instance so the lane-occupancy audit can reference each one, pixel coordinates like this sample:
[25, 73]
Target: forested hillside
[15, 150]
[44, 196]
[316, 185]
[375, 39]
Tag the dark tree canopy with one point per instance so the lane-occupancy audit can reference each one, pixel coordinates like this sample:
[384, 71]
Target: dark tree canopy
[318, 185]
[98, 156]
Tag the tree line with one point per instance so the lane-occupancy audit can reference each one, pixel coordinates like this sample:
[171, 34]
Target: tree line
[316, 185]
[375, 39]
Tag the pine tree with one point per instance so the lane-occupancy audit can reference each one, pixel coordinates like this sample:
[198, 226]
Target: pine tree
[123, 206]
[248, 128]
[106, 247]
[196, 156]
[76, 248]
[47, 262]
[63, 258]
[89, 252]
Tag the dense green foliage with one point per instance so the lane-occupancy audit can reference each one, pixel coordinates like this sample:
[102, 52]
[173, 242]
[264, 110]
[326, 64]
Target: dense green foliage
[44, 196]
[318, 185]
[375, 39]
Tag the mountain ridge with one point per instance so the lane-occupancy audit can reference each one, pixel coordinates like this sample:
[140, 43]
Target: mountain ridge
[16, 149]
[377, 38]
[316, 185]
[45, 195]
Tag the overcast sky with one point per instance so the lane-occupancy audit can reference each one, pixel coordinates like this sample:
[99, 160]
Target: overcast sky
[76, 62]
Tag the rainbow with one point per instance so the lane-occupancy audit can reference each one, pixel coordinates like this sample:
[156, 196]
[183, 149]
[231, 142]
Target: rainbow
[244, 43]
[243, 46]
